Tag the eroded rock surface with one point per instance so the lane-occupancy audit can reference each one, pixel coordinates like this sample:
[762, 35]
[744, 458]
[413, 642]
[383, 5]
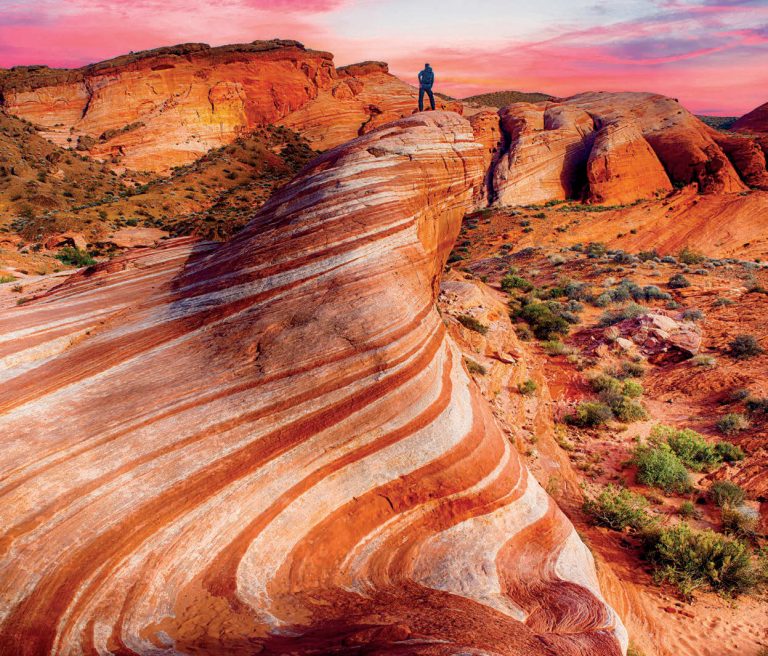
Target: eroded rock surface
[272, 445]
[617, 148]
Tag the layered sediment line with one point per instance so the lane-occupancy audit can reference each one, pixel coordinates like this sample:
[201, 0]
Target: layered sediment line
[272, 445]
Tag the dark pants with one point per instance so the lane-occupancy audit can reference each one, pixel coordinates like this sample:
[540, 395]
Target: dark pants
[428, 91]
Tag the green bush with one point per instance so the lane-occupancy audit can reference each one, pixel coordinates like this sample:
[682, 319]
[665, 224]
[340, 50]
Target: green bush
[679, 281]
[472, 324]
[726, 493]
[757, 405]
[75, 257]
[545, 323]
[626, 410]
[729, 452]
[688, 445]
[606, 383]
[687, 509]
[629, 311]
[475, 367]
[658, 466]
[590, 414]
[528, 387]
[512, 281]
[743, 347]
[631, 370]
[618, 509]
[691, 559]
[739, 523]
[690, 256]
[731, 423]
[633, 389]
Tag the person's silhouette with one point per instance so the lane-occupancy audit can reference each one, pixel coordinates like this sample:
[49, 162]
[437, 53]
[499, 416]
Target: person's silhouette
[426, 80]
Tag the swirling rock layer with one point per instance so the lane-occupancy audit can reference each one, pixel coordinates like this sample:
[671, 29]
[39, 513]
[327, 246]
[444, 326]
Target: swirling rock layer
[272, 446]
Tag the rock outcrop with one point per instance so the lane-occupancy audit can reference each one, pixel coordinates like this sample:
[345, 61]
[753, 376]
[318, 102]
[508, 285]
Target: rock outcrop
[616, 148]
[755, 123]
[162, 108]
[272, 445]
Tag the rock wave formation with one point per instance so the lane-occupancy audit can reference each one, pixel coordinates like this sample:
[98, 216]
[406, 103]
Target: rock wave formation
[272, 445]
[613, 149]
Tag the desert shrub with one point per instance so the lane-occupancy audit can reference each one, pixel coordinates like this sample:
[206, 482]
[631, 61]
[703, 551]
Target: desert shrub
[653, 293]
[512, 281]
[693, 315]
[659, 466]
[556, 260]
[633, 389]
[528, 387]
[689, 446]
[731, 423]
[618, 509]
[743, 347]
[6, 278]
[722, 302]
[644, 256]
[475, 367]
[740, 522]
[631, 370]
[554, 347]
[590, 414]
[679, 281]
[738, 394]
[729, 452]
[704, 361]
[687, 509]
[523, 332]
[472, 324]
[75, 257]
[757, 405]
[606, 383]
[627, 410]
[690, 256]
[726, 493]
[544, 323]
[602, 300]
[596, 249]
[629, 311]
[691, 559]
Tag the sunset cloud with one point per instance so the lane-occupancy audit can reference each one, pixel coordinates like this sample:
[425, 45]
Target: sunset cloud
[712, 54]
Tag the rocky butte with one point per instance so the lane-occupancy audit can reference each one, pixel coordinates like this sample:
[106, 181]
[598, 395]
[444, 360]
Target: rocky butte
[156, 109]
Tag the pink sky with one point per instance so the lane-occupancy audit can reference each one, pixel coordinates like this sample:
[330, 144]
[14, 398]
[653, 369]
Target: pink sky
[711, 54]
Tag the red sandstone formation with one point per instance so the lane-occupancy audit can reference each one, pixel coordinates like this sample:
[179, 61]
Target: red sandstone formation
[364, 97]
[272, 445]
[756, 124]
[755, 121]
[162, 108]
[616, 148]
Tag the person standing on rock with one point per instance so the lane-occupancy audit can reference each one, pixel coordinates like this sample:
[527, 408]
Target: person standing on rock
[426, 80]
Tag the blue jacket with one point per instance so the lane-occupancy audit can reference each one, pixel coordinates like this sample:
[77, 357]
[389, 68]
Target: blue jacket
[427, 78]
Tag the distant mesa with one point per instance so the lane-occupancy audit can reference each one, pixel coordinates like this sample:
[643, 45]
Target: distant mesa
[161, 108]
